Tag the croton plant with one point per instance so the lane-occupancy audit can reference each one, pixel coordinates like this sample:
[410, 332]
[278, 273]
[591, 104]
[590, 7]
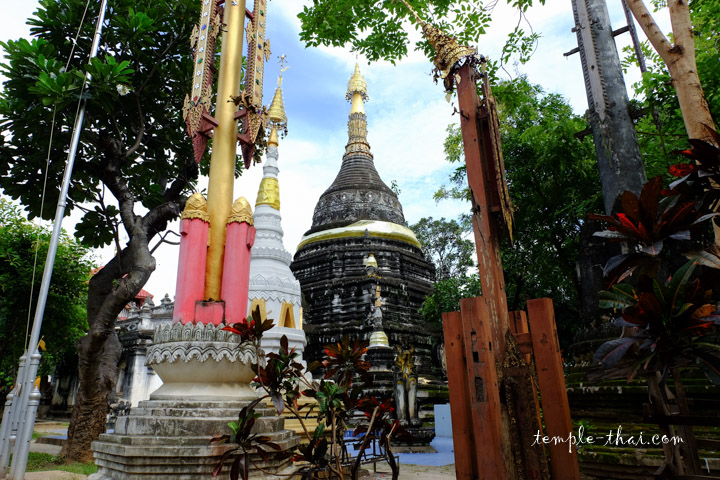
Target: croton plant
[664, 286]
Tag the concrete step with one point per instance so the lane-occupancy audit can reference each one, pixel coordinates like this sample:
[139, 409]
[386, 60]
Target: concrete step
[52, 440]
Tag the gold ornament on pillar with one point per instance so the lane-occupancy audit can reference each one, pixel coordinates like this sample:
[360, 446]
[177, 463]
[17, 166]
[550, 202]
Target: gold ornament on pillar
[241, 212]
[196, 207]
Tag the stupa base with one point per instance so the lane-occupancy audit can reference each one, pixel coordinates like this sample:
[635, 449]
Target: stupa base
[163, 439]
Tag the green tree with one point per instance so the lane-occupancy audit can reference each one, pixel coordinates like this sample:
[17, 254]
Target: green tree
[663, 129]
[376, 29]
[444, 244]
[134, 166]
[446, 296]
[65, 319]
[553, 182]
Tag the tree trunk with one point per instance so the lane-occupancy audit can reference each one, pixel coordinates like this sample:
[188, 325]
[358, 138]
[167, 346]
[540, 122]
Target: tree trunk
[693, 106]
[113, 287]
[109, 291]
[680, 61]
[97, 380]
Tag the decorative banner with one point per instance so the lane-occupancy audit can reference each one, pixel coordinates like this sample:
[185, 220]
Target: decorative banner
[252, 96]
[198, 102]
[258, 53]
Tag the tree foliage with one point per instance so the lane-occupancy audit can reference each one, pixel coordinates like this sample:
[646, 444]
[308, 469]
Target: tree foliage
[447, 294]
[379, 30]
[133, 125]
[134, 166]
[445, 245]
[662, 129]
[65, 320]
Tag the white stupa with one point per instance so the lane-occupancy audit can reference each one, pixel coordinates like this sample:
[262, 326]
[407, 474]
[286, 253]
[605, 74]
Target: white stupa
[273, 286]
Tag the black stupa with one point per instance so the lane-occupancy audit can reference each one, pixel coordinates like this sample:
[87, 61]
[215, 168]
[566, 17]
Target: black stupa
[362, 272]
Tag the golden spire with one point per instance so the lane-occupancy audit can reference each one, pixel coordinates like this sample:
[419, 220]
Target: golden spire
[276, 113]
[357, 125]
[357, 91]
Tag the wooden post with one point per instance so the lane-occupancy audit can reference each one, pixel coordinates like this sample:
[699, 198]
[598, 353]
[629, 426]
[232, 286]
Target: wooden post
[519, 327]
[484, 394]
[462, 425]
[553, 393]
[481, 181]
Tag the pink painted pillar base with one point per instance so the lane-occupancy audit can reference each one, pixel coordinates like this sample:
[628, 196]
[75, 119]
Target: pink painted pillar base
[208, 312]
[236, 270]
[190, 286]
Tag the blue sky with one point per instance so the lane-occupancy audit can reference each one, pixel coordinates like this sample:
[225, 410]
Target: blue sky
[407, 113]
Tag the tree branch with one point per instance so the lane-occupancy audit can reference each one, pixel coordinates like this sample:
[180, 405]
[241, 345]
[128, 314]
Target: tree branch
[682, 27]
[155, 221]
[651, 29]
[141, 132]
[162, 240]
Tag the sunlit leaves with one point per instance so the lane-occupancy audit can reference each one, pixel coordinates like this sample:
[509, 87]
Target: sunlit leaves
[379, 30]
[135, 100]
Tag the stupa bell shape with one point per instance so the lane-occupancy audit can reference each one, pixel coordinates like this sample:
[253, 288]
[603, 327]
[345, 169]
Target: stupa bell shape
[273, 287]
[358, 245]
[358, 192]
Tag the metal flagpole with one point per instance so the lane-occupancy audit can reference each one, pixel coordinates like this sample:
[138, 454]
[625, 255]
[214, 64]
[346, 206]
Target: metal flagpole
[26, 396]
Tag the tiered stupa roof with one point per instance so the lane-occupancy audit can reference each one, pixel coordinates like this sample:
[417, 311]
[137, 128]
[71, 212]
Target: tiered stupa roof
[358, 192]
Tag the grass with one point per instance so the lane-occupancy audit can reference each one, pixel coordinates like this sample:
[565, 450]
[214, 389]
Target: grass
[37, 435]
[38, 462]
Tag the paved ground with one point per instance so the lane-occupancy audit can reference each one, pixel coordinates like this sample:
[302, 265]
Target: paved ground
[54, 475]
[413, 466]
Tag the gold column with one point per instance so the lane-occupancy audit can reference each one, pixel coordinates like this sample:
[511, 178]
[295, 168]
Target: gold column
[224, 146]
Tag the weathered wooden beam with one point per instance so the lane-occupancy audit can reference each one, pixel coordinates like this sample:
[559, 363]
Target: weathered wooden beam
[553, 393]
[462, 424]
[483, 389]
[478, 154]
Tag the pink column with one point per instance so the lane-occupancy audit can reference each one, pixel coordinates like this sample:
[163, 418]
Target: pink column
[190, 286]
[236, 269]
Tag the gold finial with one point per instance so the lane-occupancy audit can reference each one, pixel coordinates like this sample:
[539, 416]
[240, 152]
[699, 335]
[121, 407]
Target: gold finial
[241, 212]
[276, 113]
[273, 140]
[196, 207]
[277, 119]
[357, 84]
[448, 53]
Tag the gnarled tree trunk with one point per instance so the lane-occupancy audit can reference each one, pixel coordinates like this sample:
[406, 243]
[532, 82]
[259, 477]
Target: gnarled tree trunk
[99, 351]
[110, 290]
